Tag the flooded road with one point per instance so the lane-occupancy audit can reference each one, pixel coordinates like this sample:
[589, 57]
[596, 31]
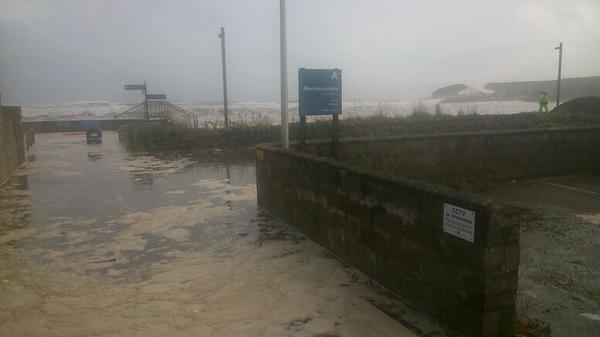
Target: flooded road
[95, 241]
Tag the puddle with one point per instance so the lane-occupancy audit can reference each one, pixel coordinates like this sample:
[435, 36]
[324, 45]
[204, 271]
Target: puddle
[98, 241]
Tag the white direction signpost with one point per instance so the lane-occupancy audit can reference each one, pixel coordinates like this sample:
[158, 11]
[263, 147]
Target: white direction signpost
[154, 97]
[143, 89]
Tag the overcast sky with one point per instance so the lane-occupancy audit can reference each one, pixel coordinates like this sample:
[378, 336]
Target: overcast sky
[60, 50]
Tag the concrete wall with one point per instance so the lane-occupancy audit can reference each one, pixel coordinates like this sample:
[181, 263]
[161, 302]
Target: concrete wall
[75, 126]
[392, 229]
[12, 147]
[494, 156]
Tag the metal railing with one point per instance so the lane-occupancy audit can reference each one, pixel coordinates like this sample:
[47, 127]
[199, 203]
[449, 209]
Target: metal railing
[161, 110]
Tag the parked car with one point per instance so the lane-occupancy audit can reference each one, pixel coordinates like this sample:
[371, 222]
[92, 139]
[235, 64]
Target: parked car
[94, 135]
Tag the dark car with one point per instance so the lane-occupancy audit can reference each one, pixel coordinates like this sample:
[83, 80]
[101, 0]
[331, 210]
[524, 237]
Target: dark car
[94, 135]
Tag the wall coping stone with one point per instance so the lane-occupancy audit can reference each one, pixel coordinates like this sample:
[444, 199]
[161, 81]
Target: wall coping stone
[383, 177]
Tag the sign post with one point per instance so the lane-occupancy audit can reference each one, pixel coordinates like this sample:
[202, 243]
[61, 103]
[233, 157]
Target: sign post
[334, 140]
[142, 88]
[320, 93]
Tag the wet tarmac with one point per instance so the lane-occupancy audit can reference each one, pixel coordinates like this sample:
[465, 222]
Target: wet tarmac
[96, 241]
[559, 275]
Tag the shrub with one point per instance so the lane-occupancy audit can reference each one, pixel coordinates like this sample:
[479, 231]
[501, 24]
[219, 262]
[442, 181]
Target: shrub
[420, 109]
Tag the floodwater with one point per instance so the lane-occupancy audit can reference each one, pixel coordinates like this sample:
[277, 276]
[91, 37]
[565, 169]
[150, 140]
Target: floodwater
[96, 241]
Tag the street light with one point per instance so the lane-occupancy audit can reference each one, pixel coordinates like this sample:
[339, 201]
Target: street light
[284, 84]
[560, 50]
[223, 60]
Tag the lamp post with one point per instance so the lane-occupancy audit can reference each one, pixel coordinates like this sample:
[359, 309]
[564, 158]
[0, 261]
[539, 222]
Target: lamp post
[223, 60]
[284, 84]
[560, 50]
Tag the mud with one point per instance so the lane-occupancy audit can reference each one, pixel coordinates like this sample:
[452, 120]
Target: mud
[559, 276]
[95, 241]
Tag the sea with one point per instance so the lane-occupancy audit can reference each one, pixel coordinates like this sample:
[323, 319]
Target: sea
[269, 112]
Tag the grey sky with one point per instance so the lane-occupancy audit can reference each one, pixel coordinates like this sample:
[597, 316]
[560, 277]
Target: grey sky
[61, 50]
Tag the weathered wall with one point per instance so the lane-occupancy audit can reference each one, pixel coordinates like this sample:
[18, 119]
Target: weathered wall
[12, 148]
[493, 156]
[392, 229]
[75, 126]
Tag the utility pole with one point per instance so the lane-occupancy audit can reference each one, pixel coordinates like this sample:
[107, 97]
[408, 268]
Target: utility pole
[284, 83]
[560, 50]
[223, 59]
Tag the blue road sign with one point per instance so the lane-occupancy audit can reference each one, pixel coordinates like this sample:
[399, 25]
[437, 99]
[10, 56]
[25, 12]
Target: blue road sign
[320, 92]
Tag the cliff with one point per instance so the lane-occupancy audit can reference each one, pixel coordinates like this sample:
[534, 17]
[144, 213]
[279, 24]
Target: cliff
[523, 91]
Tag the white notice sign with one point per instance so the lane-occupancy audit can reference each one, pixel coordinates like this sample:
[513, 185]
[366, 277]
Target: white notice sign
[459, 222]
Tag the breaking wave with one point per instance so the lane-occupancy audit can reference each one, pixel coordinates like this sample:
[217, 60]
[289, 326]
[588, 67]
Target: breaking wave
[267, 111]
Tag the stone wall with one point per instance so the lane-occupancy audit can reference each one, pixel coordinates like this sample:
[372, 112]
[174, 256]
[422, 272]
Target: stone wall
[475, 157]
[12, 147]
[392, 229]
